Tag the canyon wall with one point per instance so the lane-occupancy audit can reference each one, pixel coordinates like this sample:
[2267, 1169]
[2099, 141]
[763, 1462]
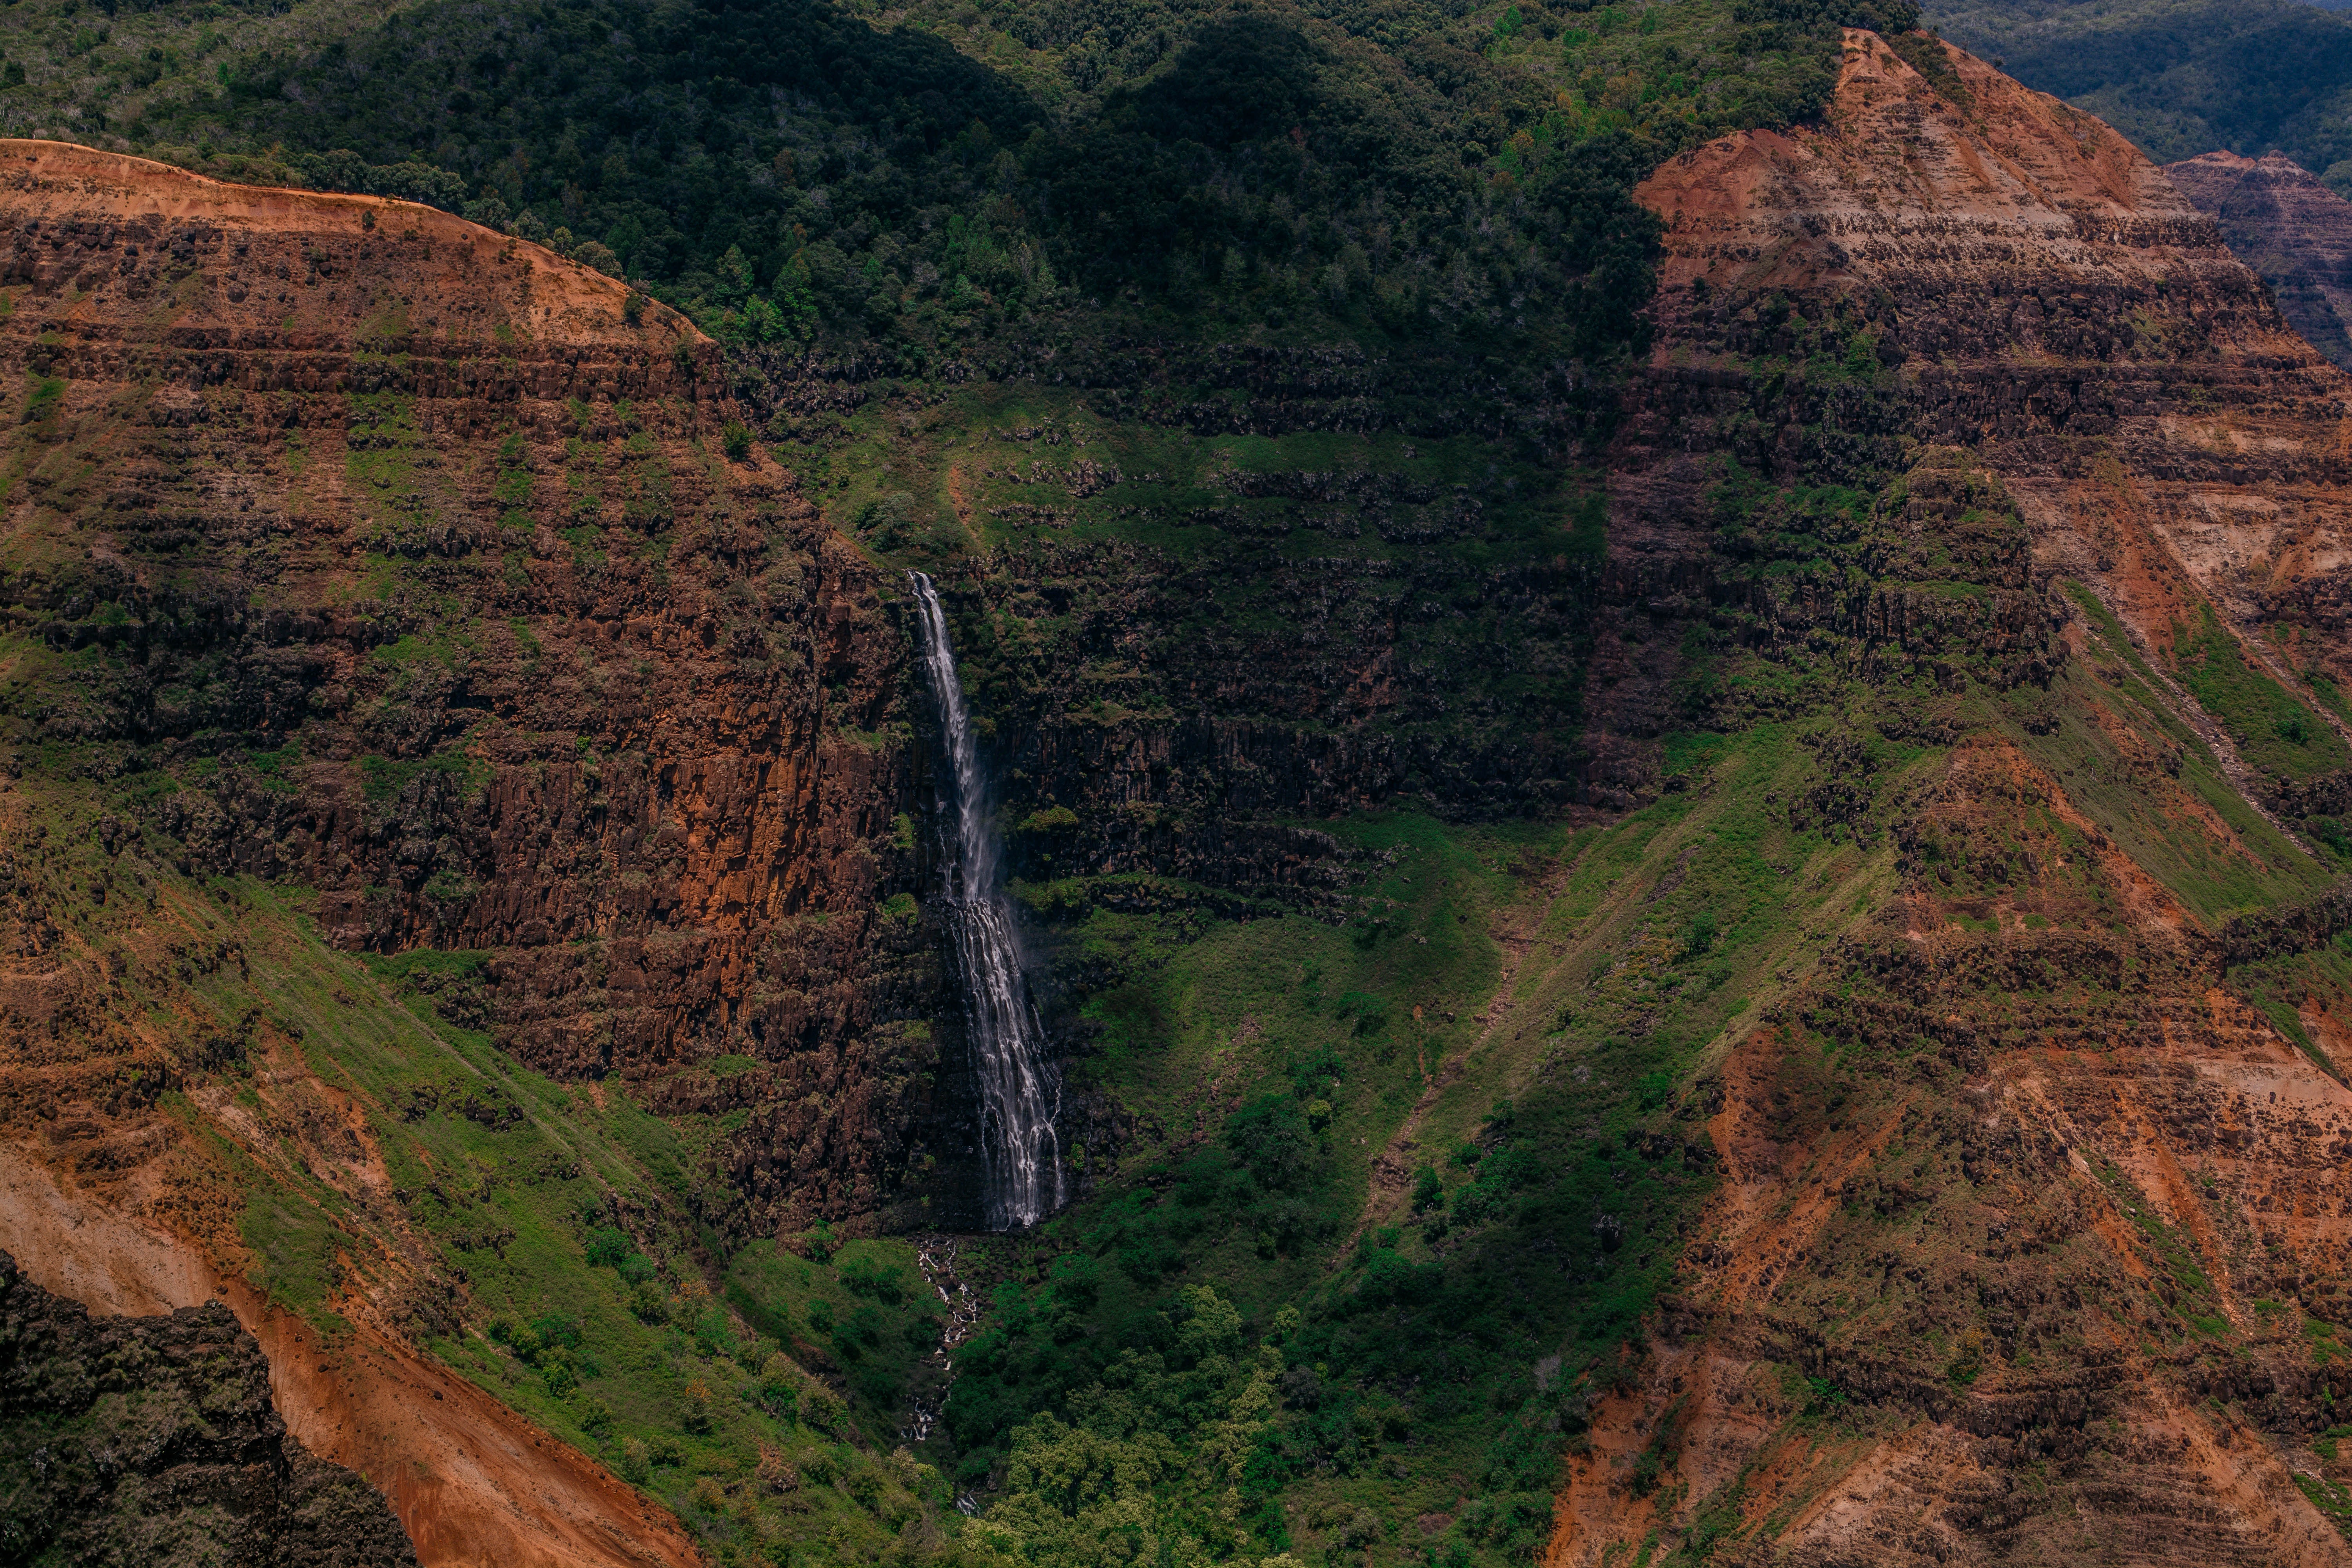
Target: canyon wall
[425, 551]
[362, 555]
[464, 685]
[2027, 1219]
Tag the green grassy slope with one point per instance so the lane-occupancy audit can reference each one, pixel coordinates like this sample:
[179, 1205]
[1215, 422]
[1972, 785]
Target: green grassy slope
[342, 1139]
[1504, 1018]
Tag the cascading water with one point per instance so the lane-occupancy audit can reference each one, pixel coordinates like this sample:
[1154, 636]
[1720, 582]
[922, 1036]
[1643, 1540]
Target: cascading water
[1018, 1094]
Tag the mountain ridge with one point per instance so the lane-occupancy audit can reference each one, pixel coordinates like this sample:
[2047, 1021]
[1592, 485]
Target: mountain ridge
[1780, 1279]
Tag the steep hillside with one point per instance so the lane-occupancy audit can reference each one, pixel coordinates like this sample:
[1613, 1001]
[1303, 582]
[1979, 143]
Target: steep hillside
[2288, 226]
[442, 531]
[2019, 1249]
[378, 585]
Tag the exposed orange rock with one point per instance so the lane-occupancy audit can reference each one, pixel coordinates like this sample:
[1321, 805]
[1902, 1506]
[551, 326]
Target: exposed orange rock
[2052, 303]
[648, 779]
[306, 270]
[1922, 1320]
[662, 819]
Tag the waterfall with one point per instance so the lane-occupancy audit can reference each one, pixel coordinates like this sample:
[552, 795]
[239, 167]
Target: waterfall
[1018, 1094]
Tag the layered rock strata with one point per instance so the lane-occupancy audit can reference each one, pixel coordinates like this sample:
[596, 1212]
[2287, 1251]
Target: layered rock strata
[1981, 267]
[426, 549]
[2000, 1177]
[2290, 228]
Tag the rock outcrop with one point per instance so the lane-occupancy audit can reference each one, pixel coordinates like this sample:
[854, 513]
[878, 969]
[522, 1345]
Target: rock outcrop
[2290, 228]
[154, 1440]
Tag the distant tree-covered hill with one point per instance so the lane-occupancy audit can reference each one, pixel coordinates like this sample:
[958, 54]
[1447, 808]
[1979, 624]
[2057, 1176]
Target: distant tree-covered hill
[2183, 77]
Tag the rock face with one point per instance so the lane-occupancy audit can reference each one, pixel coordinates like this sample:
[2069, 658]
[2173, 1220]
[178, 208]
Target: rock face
[640, 750]
[154, 1440]
[1978, 1166]
[2002, 274]
[2288, 226]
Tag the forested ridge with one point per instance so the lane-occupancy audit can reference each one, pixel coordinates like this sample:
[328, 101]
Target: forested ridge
[2183, 77]
[942, 177]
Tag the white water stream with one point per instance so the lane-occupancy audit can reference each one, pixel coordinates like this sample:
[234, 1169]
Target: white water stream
[1018, 1095]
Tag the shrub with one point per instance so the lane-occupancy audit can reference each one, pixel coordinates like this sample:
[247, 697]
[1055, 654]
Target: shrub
[1269, 1137]
[780, 1385]
[1698, 936]
[1077, 1282]
[735, 438]
[821, 1408]
[636, 1463]
[552, 1329]
[875, 1281]
[776, 1473]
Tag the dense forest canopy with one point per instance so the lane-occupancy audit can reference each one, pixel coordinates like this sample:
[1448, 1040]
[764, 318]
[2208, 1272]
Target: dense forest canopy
[796, 172]
[2183, 77]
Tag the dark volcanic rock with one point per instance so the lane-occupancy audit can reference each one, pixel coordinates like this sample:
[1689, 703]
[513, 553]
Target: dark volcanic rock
[154, 1440]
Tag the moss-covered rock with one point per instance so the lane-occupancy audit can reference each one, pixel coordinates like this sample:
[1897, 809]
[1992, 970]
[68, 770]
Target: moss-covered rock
[154, 1440]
